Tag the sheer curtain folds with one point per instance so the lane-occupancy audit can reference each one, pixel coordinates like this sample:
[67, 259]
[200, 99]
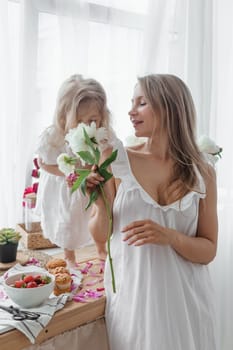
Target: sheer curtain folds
[44, 41]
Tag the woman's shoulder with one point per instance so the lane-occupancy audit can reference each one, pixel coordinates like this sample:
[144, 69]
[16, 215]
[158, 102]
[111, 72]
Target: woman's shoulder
[206, 178]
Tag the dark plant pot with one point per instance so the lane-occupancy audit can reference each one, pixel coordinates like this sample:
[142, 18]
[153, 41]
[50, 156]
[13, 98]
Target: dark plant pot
[8, 252]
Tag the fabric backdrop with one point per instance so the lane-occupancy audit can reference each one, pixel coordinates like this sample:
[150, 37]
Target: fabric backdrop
[42, 42]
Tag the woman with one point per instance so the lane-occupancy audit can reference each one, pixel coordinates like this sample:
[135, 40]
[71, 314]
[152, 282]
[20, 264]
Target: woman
[165, 227]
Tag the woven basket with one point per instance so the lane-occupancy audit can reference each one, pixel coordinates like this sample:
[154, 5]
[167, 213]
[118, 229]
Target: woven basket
[33, 239]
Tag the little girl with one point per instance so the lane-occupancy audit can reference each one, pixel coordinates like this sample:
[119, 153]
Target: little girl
[64, 220]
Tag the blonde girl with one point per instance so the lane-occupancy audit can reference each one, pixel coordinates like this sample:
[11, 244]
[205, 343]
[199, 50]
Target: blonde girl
[63, 216]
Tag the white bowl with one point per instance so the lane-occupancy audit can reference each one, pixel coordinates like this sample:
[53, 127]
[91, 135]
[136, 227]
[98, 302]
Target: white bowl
[28, 297]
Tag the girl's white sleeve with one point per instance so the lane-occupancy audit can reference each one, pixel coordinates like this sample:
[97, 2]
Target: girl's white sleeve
[47, 152]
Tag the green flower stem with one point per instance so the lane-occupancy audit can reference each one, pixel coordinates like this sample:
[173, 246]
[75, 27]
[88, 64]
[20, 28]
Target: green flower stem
[109, 214]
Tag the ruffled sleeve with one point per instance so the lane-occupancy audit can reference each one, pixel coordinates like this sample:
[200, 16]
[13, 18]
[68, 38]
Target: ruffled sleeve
[47, 151]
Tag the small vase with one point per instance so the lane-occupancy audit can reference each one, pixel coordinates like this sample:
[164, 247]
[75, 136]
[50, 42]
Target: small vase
[28, 213]
[8, 252]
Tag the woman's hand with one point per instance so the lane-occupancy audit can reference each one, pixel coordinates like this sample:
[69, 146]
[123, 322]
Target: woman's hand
[143, 232]
[93, 179]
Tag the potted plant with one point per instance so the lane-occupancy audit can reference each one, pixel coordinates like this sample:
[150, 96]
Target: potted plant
[9, 239]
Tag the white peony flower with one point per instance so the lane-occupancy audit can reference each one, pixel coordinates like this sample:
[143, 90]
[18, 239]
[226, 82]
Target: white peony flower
[76, 139]
[77, 142]
[64, 164]
[207, 145]
[212, 158]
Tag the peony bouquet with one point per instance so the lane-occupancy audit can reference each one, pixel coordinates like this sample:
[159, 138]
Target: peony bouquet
[87, 142]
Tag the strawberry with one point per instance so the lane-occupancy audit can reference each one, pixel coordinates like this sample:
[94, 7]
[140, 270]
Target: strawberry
[31, 284]
[20, 284]
[28, 278]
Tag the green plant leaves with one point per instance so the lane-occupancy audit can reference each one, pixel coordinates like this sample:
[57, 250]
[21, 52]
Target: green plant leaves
[109, 160]
[92, 157]
[83, 173]
[105, 174]
[92, 198]
[9, 235]
[87, 157]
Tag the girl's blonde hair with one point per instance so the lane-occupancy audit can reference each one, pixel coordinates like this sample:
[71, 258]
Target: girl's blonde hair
[74, 92]
[171, 100]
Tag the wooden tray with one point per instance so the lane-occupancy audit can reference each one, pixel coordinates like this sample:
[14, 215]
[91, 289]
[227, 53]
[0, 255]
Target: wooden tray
[23, 256]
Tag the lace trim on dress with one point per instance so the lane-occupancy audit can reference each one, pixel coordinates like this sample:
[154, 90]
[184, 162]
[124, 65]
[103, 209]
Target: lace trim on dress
[121, 169]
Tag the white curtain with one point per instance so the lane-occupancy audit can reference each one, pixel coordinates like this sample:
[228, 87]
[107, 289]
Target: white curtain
[196, 43]
[190, 38]
[22, 112]
[221, 126]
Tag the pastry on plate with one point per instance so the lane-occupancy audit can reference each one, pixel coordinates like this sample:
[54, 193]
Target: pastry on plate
[55, 262]
[62, 283]
[59, 269]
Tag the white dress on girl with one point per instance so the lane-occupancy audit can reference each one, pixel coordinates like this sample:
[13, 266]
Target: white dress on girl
[64, 220]
[162, 301]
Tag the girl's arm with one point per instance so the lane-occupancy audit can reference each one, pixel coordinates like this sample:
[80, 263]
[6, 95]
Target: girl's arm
[50, 168]
[199, 249]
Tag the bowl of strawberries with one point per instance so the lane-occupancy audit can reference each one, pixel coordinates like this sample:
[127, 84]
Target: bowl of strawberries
[29, 289]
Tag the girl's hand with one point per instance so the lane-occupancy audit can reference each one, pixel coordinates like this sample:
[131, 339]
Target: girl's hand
[40, 162]
[143, 232]
[70, 179]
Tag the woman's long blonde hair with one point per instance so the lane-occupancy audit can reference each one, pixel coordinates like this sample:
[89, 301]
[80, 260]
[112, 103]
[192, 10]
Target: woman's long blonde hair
[74, 92]
[171, 99]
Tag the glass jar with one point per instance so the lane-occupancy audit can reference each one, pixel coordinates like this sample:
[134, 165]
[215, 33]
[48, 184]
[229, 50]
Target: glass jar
[30, 201]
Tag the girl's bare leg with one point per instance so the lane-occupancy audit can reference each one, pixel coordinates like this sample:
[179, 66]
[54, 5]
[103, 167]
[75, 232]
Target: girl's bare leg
[69, 257]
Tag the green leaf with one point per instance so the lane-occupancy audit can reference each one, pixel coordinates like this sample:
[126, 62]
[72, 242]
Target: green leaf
[106, 174]
[83, 187]
[88, 141]
[92, 198]
[87, 157]
[97, 155]
[109, 160]
[83, 173]
[70, 160]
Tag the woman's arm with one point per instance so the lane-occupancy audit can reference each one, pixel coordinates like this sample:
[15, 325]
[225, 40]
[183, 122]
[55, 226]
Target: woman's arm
[203, 247]
[99, 220]
[199, 249]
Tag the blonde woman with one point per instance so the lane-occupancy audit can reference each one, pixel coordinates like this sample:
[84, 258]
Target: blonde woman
[64, 219]
[165, 227]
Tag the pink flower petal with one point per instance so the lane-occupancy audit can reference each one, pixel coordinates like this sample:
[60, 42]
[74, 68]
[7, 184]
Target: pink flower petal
[91, 283]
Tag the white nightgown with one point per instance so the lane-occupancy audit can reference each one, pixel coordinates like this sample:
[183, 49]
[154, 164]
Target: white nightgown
[64, 219]
[162, 301]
